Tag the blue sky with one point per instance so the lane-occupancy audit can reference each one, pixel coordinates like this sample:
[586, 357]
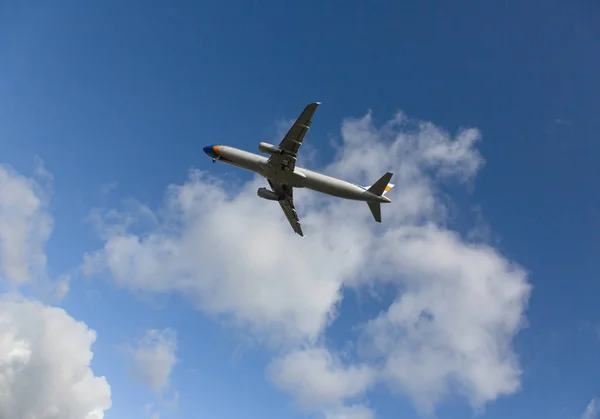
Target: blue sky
[105, 108]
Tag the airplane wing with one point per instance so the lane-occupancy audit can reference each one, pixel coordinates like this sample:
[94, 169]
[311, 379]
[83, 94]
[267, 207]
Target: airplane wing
[287, 205]
[293, 139]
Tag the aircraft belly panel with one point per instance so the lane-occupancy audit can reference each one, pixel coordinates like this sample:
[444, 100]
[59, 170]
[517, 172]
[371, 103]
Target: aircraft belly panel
[333, 186]
[243, 159]
[295, 179]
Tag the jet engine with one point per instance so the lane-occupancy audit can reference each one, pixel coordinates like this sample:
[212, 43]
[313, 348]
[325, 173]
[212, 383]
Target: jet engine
[267, 194]
[269, 148]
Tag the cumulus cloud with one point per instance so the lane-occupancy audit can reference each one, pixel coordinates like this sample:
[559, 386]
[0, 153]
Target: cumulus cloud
[45, 354]
[318, 378]
[321, 381]
[154, 358]
[25, 226]
[455, 320]
[458, 304]
[201, 229]
[45, 360]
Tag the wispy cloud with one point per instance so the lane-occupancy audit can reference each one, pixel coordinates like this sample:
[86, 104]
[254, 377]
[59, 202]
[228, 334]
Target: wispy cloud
[563, 122]
[153, 359]
[107, 188]
[591, 411]
[25, 227]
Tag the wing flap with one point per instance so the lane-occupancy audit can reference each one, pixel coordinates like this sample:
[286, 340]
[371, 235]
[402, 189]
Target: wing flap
[287, 205]
[292, 216]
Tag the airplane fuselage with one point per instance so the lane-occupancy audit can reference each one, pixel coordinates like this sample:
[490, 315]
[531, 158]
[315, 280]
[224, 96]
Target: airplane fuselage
[298, 178]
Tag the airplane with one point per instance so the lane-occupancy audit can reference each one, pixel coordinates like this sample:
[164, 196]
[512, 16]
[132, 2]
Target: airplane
[283, 175]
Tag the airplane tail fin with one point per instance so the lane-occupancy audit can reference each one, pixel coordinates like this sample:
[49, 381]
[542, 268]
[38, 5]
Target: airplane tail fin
[381, 187]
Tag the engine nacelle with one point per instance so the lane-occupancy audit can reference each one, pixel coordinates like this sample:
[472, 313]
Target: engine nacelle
[269, 148]
[267, 194]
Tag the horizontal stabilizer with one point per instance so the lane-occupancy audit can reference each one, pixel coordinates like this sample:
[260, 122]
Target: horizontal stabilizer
[375, 208]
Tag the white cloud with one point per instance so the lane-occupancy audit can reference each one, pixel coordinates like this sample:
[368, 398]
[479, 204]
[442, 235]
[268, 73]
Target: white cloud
[45, 360]
[189, 249]
[151, 413]
[458, 304]
[591, 411]
[350, 412]
[320, 381]
[45, 354]
[455, 320]
[25, 226]
[154, 358]
[318, 378]
[42, 172]
[62, 286]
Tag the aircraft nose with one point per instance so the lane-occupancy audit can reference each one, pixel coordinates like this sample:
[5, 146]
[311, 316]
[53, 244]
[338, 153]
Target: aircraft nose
[211, 151]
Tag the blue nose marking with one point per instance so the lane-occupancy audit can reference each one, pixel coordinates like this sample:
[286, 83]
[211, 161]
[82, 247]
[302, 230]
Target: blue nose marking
[210, 150]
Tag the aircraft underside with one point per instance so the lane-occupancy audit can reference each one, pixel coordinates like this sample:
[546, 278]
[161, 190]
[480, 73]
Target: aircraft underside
[283, 176]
